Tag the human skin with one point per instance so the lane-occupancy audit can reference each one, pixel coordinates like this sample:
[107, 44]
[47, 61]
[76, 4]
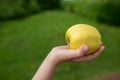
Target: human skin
[60, 55]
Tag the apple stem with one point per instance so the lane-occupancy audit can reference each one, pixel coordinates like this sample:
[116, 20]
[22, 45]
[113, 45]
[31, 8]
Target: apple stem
[59, 34]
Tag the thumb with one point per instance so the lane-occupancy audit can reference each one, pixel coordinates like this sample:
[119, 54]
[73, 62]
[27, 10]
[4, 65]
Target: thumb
[78, 52]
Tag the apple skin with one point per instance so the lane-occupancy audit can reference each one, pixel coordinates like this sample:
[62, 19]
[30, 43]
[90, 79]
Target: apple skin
[83, 34]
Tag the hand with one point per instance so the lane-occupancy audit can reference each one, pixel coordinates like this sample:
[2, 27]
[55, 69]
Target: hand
[62, 54]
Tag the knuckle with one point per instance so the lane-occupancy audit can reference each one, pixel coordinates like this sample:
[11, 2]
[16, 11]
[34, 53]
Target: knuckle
[55, 48]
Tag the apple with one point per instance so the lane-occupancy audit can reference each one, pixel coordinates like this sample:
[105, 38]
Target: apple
[83, 34]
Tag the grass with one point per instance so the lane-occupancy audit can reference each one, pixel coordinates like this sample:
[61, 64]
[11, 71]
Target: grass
[25, 43]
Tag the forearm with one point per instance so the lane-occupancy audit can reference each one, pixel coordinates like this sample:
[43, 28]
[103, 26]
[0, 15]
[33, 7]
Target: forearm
[46, 70]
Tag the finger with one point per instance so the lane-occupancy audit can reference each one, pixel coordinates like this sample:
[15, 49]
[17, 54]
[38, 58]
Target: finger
[62, 47]
[71, 54]
[90, 57]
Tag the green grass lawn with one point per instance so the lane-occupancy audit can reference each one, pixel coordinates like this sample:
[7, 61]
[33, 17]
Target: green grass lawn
[25, 43]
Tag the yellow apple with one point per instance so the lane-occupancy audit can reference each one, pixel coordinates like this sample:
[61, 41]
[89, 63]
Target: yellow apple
[83, 34]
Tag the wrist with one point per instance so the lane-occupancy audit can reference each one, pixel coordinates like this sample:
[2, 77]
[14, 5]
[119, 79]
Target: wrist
[51, 60]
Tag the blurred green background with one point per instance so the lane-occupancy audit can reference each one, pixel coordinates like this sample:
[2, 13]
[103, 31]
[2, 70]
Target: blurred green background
[29, 30]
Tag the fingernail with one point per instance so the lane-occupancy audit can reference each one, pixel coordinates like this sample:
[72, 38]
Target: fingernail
[85, 48]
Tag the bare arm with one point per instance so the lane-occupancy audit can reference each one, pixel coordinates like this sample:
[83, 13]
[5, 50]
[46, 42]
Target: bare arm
[63, 54]
[46, 70]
